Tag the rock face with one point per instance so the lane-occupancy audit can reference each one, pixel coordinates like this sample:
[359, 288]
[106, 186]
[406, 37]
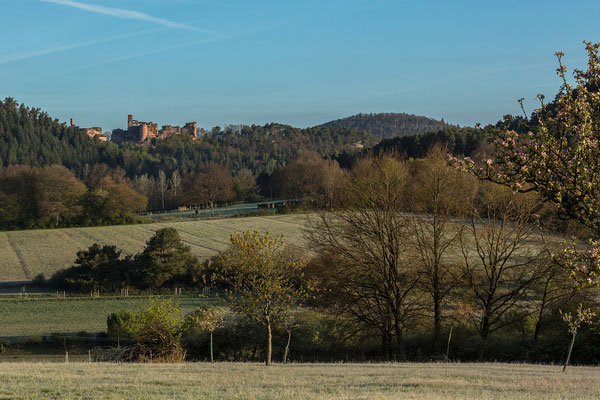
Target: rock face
[141, 132]
[93, 132]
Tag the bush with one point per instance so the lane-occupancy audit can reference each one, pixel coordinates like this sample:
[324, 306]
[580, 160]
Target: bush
[155, 331]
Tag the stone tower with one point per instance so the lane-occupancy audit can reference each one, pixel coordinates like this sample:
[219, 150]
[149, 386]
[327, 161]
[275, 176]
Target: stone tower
[143, 132]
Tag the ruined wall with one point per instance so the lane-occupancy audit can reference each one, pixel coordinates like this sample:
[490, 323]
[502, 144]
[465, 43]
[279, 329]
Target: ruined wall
[139, 131]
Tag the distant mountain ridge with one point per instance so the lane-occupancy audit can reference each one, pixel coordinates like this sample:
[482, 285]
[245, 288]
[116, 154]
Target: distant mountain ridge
[389, 125]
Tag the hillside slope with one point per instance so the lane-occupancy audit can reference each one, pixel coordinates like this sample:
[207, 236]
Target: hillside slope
[28, 253]
[388, 125]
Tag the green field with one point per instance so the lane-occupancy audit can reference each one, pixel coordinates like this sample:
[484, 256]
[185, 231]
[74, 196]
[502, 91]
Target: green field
[296, 381]
[30, 317]
[24, 254]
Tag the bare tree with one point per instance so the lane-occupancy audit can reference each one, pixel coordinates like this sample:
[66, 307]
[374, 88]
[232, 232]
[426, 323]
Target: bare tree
[175, 185]
[502, 256]
[246, 182]
[210, 184]
[162, 184]
[59, 193]
[373, 276]
[439, 193]
[311, 175]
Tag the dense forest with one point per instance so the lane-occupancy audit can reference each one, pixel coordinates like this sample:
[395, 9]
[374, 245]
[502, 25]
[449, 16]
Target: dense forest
[39, 154]
[460, 141]
[32, 138]
[389, 125]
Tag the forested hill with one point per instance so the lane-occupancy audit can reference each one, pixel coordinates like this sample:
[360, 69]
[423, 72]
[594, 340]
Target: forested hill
[389, 125]
[31, 137]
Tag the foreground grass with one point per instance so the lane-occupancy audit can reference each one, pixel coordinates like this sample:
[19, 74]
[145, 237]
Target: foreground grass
[300, 381]
[26, 317]
[25, 254]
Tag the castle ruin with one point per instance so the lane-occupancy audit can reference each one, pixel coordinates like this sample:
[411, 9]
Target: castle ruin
[93, 132]
[142, 132]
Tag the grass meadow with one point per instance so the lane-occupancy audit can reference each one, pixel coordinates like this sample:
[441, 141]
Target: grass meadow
[24, 254]
[295, 381]
[31, 317]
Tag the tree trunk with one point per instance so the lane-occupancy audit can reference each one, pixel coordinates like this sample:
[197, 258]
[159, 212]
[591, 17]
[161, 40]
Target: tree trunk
[437, 318]
[287, 346]
[385, 342]
[484, 333]
[485, 327]
[269, 347]
[538, 323]
[569, 353]
[448, 346]
[211, 348]
[400, 341]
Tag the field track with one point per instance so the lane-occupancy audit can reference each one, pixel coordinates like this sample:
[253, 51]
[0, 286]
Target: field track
[295, 381]
[24, 254]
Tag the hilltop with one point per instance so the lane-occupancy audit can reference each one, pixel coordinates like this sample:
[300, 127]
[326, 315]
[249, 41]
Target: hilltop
[388, 125]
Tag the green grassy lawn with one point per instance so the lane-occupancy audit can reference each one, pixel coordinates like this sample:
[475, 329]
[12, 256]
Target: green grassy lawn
[24, 254]
[295, 381]
[30, 317]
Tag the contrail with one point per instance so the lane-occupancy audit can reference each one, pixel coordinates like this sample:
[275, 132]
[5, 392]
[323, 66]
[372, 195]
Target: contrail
[128, 14]
[153, 51]
[66, 47]
[145, 53]
[163, 49]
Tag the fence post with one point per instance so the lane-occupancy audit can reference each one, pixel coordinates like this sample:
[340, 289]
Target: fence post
[89, 356]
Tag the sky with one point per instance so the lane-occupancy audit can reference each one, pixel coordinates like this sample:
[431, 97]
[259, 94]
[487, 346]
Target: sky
[302, 62]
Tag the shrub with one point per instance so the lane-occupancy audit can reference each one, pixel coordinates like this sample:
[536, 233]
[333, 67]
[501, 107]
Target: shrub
[156, 331]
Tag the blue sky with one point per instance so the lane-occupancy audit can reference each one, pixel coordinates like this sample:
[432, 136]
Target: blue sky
[300, 62]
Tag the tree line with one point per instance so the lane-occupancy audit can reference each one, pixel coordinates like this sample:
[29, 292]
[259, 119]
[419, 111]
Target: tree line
[31, 137]
[411, 258]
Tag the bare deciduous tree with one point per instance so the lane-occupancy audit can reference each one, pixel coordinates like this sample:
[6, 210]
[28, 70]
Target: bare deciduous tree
[370, 271]
[501, 259]
[175, 185]
[162, 184]
[439, 194]
[210, 184]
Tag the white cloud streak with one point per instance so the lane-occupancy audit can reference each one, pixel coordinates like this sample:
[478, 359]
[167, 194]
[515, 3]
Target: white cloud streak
[145, 53]
[67, 47]
[128, 14]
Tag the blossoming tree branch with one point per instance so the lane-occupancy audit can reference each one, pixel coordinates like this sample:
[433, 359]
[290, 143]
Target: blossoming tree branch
[558, 156]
